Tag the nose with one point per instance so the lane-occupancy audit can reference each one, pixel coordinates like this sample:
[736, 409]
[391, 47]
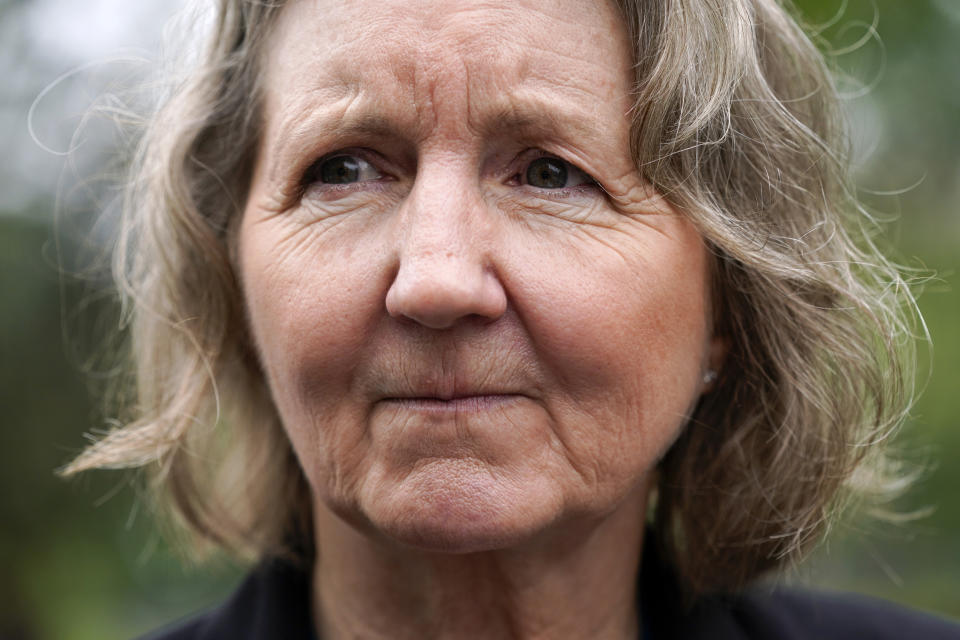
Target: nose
[446, 271]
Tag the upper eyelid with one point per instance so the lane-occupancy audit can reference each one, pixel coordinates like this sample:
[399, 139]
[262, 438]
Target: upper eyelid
[369, 156]
[527, 156]
[534, 153]
[381, 164]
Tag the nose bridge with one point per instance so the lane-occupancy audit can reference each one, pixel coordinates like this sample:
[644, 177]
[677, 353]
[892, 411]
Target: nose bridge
[438, 216]
[446, 270]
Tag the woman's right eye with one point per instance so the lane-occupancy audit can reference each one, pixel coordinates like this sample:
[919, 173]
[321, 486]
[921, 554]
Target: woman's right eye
[342, 169]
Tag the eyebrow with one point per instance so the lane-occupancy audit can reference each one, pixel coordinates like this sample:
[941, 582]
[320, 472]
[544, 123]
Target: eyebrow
[535, 118]
[515, 116]
[320, 126]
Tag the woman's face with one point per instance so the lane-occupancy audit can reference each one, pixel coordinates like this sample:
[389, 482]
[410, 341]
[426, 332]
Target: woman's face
[477, 322]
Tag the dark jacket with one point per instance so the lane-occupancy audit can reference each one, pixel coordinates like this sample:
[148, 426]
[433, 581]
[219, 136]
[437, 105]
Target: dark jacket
[274, 603]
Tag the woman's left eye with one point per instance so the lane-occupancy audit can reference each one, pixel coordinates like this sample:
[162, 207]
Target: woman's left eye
[549, 172]
[342, 168]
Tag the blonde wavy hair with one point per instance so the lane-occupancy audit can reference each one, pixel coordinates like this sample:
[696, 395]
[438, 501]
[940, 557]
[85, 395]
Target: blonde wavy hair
[736, 122]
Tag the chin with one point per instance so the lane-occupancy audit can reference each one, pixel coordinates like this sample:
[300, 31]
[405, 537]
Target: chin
[454, 507]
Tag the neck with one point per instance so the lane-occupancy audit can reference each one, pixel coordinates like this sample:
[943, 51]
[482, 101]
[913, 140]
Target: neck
[579, 582]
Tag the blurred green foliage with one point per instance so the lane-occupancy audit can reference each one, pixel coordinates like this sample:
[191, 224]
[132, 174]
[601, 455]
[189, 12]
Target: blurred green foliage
[82, 561]
[909, 118]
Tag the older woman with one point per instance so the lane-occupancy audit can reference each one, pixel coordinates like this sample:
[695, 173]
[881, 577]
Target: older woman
[433, 303]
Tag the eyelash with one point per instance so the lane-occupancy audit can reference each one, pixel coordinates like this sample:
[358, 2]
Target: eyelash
[518, 176]
[521, 176]
[312, 174]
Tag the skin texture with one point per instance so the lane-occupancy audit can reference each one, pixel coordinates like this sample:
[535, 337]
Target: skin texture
[478, 375]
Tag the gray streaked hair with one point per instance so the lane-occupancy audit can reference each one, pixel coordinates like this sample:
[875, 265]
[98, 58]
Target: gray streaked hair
[736, 123]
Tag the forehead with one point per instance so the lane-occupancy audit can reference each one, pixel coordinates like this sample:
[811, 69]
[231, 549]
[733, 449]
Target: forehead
[423, 60]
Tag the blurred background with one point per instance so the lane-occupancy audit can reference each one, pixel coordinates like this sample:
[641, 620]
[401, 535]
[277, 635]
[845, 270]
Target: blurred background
[81, 559]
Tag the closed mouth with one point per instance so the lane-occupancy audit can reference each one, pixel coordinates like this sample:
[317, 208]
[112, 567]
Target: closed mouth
[466, 403]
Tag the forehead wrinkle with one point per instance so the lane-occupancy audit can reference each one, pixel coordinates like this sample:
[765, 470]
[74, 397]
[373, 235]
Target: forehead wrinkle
[517, 101]
[431, 84]
[308, 126]
[299, 122]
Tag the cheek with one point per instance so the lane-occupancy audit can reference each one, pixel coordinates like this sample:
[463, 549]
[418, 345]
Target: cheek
[623, 324]
[312, 293]
[312, 305]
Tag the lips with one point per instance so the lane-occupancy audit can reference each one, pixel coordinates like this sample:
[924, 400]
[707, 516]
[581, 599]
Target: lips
[458, 404]
[450, 392]
[442, 394]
